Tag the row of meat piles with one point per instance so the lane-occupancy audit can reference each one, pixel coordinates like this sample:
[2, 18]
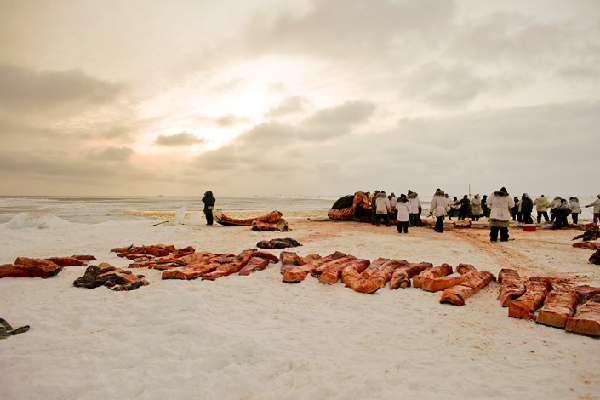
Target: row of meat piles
[563, 305]
[187, 264]
[367, 277]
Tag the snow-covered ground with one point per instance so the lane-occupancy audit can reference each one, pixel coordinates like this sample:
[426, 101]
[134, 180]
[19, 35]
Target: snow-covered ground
[255, 337]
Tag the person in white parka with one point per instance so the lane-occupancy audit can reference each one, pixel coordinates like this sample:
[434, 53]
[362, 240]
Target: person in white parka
[403, 211]
[500, 204]
[439, 207]
[596, 209]
[415, 208]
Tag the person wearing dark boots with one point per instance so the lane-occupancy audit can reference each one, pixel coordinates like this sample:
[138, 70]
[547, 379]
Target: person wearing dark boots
[465, 205]
[526, 209]
[575, 208]
[403, 214]
[439, 206]
[500, 204]
[209, 205]
[541, 207]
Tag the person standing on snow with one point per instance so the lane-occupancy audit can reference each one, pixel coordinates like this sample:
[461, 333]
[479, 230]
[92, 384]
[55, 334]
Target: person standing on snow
[439, 206]
[382, 209]
[596, 209]
[415, 208]
[209, 204]
[541, 207]
[575, 208]
[403, 214]
[476, 210]
[500, 204]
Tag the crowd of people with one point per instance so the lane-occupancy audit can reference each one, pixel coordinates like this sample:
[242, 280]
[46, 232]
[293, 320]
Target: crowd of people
[406, 209]
[498, 207]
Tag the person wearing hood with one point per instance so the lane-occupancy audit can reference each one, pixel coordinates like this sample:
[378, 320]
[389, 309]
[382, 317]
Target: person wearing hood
[372, 199]
[382, 209]
[484, 206]
[516, 216]
[476, 210]
[541, 206]
[403, 210]
[393, 200]
[439, 206]
[209, 205]
[415, 208]
[500, 204]
[453, 210]
[465, 206]
[553, 206]
[575, 208]
[596, 209]
[562, 212]
[526, 208]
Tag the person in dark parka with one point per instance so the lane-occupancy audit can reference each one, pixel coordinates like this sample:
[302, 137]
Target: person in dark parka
[209, 205]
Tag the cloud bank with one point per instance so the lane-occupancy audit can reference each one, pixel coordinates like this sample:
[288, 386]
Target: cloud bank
[309, 97]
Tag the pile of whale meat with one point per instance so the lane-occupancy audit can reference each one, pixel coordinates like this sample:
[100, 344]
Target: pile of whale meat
[111, 277]
[24, 267]
[278, 243]
[561, 303]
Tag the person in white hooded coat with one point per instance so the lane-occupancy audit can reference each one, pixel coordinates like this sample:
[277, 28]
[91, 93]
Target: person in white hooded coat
[596, 209]
[439, 206]
[500, 204]
[403, 211]
[415, 208]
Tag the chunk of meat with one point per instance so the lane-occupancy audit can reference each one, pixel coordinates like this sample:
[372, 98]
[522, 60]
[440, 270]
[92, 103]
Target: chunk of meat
[256, 263]
[372, 278]
[511, 286]
[229, 266]
[401, 276]
[586, 292]
[30, 268]
[109, 276]
[332, 274]
[531, 300]
[331, 264]
[298, 273]
[475, 280]
[435, 272]
[587, 319]
[191, 271]
[558, 307]
[443, 282]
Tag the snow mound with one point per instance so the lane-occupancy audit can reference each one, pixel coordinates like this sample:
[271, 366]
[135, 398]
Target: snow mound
[35, 220]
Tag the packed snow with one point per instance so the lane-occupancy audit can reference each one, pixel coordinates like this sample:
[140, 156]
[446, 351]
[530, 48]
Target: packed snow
[255, 337]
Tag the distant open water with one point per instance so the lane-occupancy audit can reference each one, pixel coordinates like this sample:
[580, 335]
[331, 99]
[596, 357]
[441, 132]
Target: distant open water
[92, 210]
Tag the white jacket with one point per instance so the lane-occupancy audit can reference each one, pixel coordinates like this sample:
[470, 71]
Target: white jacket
[575, 207]
[403, 211]
[382, 204]
[500, 204]
[596, 205]
[439, 204]
[414, 204]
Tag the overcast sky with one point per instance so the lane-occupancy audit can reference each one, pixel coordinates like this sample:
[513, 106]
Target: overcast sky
[299, 97]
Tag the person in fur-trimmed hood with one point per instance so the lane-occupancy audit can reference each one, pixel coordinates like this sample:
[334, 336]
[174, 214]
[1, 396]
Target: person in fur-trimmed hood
[500, 204]
[415, 208]
[439, 206]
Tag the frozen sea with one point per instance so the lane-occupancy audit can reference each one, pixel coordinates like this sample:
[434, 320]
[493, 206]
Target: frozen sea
[91, 210]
